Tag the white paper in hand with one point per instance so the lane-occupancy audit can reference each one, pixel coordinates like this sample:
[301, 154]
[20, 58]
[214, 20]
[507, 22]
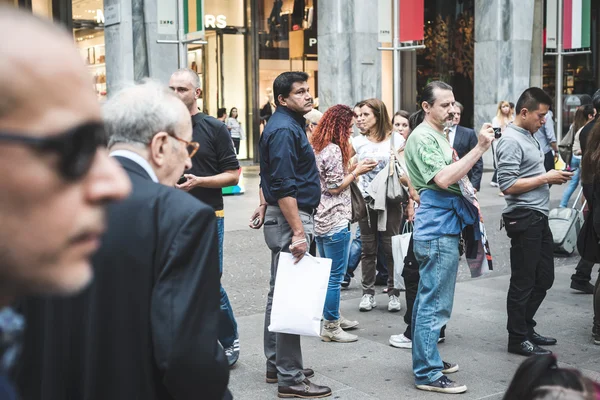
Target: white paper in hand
[299, 295]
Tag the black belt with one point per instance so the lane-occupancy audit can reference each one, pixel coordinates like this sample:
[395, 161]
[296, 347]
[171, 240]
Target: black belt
[307, 210]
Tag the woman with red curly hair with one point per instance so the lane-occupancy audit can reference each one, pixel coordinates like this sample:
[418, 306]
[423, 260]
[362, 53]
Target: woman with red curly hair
[331, 143]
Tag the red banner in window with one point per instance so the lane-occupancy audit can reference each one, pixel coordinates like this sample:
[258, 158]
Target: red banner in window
[412, 19]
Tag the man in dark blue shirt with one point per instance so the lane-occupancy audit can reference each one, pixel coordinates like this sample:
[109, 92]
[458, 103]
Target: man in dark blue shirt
[291, 191]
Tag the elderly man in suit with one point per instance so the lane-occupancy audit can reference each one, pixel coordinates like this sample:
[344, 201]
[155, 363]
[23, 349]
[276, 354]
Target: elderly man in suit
[463, 140]
[147, 326]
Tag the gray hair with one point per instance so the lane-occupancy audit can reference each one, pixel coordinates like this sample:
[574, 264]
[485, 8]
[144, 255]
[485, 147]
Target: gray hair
[459, 105]
[191, 74]
[138, 112]
[313, 116]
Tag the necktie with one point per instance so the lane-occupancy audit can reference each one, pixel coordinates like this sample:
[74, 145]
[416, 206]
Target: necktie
[447, 133]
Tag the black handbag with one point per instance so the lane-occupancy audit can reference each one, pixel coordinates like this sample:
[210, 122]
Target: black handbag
[359, 207]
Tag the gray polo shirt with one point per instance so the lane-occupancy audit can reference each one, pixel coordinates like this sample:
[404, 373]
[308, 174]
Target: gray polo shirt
[520, 156]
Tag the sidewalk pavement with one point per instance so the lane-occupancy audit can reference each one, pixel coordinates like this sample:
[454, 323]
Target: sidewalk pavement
[476, 339]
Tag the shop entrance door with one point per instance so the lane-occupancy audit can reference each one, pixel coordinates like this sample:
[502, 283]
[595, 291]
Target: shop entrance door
[221, 66]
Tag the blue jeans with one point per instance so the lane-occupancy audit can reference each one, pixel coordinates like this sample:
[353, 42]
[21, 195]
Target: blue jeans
[572, 185]
[438, 266]
[227, 325]
[336, 247]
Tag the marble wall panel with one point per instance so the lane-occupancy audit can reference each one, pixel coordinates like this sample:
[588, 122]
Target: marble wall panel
[486, 20]
[119, 48]
[522, 19]
[162, 58]
[486, 71]
[349, 62]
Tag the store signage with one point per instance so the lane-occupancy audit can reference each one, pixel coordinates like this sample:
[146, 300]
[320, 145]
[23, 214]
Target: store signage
[310, 43]
[193, 11]
[166, 17]
[213, 22]
[112, 15]
[412, 20]
[384, 12]
[411, 17]
[576, 24]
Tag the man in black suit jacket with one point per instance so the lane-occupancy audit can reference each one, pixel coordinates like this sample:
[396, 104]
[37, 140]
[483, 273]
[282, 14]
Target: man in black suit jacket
[463, 140]
[147, 326]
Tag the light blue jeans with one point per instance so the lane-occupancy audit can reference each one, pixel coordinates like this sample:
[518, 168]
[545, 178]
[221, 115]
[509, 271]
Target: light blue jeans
[227, 325]
[573, 183]
[336, 247]
[438, 266]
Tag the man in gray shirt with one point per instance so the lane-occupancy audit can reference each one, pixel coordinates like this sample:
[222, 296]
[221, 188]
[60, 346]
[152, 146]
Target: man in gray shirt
[547, 138]
[525, 183]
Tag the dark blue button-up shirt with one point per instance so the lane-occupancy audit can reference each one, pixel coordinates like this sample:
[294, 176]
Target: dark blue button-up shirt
[287, 161]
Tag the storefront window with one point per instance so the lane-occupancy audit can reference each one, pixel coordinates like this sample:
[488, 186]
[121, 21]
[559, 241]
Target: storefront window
[449, 52]
[581, 72]
[88, 30]
[287, 41]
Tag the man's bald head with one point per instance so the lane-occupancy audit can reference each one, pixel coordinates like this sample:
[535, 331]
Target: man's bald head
[186, 85]
[42, 76]
[50, 220]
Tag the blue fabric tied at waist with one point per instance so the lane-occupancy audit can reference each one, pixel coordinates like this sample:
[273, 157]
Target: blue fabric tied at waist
[443, 213]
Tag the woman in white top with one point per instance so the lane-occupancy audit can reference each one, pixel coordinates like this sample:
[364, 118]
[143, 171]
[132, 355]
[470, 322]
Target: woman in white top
[583, 116]
[375, 145]
[235, 129]
[503, 117]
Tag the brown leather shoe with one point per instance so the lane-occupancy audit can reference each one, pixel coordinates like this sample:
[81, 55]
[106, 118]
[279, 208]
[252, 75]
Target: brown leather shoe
[304, 390]
[272, 376]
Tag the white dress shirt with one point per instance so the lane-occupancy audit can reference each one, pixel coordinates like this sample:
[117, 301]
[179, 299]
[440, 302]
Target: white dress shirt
[452, 135]
[136, 158]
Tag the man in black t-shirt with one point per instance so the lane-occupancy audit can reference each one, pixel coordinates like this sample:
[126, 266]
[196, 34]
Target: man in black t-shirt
[214, 166]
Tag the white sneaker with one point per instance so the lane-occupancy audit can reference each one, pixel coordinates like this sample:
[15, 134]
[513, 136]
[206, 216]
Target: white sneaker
[367, 303]
[394, 304]
[494, 184]
[400, 341]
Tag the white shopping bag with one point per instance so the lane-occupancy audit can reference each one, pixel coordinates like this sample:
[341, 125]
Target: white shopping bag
[399, 250]
[299, 295]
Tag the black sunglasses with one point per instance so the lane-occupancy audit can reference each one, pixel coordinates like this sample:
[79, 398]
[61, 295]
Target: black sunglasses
[76, 147]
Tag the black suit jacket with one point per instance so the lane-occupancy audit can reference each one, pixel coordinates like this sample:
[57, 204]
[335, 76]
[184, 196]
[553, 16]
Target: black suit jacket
[465, 140]
[146, 328]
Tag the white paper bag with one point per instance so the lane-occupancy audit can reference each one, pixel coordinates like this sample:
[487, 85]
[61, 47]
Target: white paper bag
[299, 295]
[399, 250]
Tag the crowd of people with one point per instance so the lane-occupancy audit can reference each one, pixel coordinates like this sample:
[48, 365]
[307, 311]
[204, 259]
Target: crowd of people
[110, 271]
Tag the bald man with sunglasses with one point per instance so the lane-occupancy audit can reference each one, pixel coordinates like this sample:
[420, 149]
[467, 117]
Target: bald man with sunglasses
[147, 327]
[57, 179]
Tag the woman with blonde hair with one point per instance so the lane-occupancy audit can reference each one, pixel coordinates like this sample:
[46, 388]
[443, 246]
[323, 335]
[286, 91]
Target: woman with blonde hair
[504, 116]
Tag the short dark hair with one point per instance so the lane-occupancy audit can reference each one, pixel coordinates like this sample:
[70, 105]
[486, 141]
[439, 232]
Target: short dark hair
[429, 97]
[282, 86]
[221, 112]
[532, 98]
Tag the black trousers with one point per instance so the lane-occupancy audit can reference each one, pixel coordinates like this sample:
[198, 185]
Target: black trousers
[236, 144]
[411, 276]
[583, 272]
[532, 274]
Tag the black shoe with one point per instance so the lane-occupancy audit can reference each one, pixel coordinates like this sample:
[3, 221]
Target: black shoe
[305, 390]
[272, 375]
[233, 353]
[540, 340]
[584, 287]
[346, 281]
[527, 348]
